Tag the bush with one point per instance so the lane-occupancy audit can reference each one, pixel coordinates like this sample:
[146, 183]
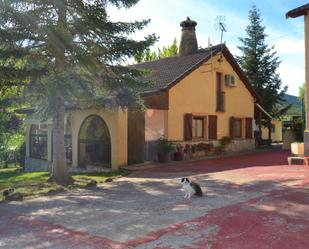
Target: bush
[219, 149]
[297, 128]
[9, 156]
[165, 146]
[226, 140]
[204, 147]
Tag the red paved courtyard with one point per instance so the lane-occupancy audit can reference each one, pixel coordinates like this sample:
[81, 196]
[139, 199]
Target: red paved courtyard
[251, 201]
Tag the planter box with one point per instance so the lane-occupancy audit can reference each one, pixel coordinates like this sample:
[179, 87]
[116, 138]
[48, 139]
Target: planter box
[297, 149]
[199, 154]
[178, 156]
[164, 157]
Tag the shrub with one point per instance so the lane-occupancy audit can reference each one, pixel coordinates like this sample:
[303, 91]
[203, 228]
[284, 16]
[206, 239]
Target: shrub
[165, 146]
[226, 140]
[179, 148]
[219, 149]
[204, 147]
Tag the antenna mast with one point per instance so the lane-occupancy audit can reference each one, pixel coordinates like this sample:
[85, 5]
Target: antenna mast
[220, 25]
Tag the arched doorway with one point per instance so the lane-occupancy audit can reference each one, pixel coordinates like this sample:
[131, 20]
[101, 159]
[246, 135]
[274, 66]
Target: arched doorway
[94, 143]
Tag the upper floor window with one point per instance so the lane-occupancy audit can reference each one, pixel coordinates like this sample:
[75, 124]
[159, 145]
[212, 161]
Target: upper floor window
[220, 97]
[38, 141]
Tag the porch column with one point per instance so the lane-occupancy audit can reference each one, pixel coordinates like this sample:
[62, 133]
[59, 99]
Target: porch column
[269, 131]
[306, 133]
[260, 123]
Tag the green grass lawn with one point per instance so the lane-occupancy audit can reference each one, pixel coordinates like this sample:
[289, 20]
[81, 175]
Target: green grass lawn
[32, 184]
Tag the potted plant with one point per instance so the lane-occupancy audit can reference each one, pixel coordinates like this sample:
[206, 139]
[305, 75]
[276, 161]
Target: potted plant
[188, 151]
[164, 149]
[297, 147]
[179, 154]
[226, 140]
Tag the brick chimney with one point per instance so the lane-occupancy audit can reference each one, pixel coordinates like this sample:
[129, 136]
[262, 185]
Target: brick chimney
[188, 42]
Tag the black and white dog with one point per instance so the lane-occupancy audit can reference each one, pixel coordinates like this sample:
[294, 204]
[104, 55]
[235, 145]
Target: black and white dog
[191, 188]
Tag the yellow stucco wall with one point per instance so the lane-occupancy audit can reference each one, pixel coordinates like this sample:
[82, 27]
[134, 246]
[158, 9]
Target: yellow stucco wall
[116, 122]
[275, 136]
[306, 35]
[196, 93]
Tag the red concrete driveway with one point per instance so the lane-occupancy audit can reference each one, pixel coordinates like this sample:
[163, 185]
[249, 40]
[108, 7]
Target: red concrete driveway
[251, 201]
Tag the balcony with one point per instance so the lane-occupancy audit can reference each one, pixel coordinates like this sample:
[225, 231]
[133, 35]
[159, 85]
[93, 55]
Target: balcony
[220, 101]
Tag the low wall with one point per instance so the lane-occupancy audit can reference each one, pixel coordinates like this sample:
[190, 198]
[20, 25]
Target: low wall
[240, 145]
[234, 146]
[36, 165]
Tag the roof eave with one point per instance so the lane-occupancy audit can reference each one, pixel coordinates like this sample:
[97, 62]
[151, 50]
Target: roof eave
[299, 11]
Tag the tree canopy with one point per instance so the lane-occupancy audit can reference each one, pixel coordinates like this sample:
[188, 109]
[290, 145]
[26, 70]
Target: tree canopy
[166, 51]
[68, 52]
[260, 63]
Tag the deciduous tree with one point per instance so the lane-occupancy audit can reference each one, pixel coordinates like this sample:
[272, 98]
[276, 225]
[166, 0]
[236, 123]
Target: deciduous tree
[166, 51]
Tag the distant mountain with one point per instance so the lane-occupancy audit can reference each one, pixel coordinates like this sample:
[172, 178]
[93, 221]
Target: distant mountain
[295, 110]
[291, 99]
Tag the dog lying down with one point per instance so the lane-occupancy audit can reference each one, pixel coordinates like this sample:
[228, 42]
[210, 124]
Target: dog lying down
[191, 188]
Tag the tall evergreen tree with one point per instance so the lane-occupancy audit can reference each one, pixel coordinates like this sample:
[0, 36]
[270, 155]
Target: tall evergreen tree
[260, 63]
[68, 52]
[166, 51]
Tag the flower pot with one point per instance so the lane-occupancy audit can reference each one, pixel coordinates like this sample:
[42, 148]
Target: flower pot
[163, 157]
[178, 156]
[297, 148]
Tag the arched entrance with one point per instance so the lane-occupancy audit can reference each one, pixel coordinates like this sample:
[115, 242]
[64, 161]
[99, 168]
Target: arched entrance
[94, 143]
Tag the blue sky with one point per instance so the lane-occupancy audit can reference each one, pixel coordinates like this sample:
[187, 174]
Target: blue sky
[285, 34]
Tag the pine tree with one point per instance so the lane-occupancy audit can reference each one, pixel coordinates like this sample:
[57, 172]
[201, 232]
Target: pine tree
[166, 51]
[260, 63]
[68, 52]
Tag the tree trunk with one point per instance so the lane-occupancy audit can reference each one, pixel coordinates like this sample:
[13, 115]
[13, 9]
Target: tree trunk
[59, 167]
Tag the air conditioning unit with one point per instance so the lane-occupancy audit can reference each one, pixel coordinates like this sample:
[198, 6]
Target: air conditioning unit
[230, 80]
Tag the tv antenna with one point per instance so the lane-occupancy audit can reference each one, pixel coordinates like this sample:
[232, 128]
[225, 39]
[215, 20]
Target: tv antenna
[220, 25]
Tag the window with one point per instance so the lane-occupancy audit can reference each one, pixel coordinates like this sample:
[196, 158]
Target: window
[273, 128]
[220, 94]
[198, 127]
[237, 128]
[38, 142]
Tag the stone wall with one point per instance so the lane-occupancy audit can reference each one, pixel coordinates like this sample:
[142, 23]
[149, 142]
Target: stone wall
[240, 145]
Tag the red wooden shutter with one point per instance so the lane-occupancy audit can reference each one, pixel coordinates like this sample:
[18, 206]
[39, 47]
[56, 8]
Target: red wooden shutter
[212, 126]
[232, 120]
[205, 128]
[188, 127]
[248, 127]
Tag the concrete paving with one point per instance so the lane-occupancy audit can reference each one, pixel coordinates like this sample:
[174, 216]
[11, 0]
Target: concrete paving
[250, 201]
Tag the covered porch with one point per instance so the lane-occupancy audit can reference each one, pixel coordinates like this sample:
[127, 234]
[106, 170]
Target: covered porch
[95, 140]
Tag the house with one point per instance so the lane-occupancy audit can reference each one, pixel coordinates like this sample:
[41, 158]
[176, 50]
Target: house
[297, 12]
[276, 131]
[279, 126]
[199, 95]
